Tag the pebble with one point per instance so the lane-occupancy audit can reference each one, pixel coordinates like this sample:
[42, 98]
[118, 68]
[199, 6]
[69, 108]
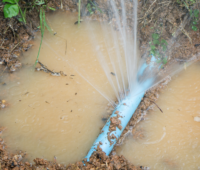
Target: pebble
[3, 105]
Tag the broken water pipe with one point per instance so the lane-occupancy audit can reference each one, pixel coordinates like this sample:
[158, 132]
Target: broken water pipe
[122, 115]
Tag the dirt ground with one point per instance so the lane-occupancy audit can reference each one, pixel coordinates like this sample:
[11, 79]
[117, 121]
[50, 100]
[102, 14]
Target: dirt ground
[166, 18]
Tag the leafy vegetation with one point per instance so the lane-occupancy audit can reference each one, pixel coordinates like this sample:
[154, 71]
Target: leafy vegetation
[157, 42]
[79, 12]
[195, 17]
[12, 9]
[43, 23]
[91, 7]
[194, 13]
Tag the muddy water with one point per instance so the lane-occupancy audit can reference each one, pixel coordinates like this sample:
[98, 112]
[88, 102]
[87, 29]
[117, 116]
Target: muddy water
[61, 116]
[170, 140]
[56, 116]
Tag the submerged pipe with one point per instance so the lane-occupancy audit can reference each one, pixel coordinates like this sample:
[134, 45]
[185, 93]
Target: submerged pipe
[121, 116]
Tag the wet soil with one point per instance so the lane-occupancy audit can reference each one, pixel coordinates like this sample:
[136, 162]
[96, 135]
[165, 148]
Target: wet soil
[167, 18]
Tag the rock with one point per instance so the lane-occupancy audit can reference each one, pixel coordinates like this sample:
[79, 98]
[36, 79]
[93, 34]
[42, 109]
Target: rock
[27, 163]
[18, 157]
[18, 64]
[15, 163]
[12, 68]
[25, 37]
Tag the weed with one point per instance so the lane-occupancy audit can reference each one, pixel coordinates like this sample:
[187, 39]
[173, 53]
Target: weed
[157, 42]
[41, 4]
[91, 7]
[43, 24]
[79, 12]
[195, 17]
[12, 9]
[194, 13]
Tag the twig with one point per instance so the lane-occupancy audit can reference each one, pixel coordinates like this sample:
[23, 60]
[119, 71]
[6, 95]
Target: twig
[2, 42]
[2, 48]
[15, 46]
[147, 10]
[156, 11]
[6, 30]
[182, 30]
[156, 105]
[165, 2]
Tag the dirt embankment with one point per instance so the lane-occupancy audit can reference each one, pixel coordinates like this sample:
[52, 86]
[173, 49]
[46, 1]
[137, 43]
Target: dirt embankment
[167, 18]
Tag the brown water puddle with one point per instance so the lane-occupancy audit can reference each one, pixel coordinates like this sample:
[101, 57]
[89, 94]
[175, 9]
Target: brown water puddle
[57, 116]
[170, 140]
[61, 116]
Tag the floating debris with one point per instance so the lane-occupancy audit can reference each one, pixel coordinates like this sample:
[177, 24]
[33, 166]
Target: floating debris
[3, 83]
[113, 73]
[46, 70]
[2, 104]
[77, 22]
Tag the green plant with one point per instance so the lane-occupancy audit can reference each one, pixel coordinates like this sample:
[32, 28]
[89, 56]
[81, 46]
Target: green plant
[157, 42]
[79, 12]
[43, 25]
[195, 17]
[92, 7]
[194, 13]
[12, 9]
[41, 4]
[186, 3]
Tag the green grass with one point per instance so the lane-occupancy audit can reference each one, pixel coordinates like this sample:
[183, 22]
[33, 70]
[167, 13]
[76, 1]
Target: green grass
[79, 12]
[43, 25]
[42, 28]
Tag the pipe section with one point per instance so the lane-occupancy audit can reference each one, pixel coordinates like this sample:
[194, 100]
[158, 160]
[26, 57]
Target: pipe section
[123, 113]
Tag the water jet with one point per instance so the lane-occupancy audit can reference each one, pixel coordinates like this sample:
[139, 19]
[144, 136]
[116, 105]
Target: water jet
[123, 112]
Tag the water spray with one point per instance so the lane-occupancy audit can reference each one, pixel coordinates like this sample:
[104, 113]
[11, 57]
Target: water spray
[122, 114]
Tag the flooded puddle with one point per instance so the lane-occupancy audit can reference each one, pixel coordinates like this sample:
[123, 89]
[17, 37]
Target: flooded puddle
[56, 116]
[60, 117]
[170, 140]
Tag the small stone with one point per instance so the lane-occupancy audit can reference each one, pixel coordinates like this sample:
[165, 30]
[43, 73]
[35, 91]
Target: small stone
[25, 37]
[27, 163]
[5, 157]
[15, 163]
[2, 105]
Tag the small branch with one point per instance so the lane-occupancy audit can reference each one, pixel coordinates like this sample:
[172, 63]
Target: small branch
[156, 105]
[14, 47]
[147, 10]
